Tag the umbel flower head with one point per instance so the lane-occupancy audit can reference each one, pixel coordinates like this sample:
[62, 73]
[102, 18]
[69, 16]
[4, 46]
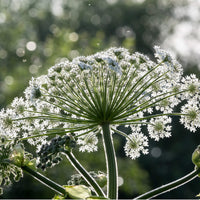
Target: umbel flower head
[114, 87]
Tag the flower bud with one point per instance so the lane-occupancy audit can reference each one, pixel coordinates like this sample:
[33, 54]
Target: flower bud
[102, 179]
[196, 156]
[17, 155]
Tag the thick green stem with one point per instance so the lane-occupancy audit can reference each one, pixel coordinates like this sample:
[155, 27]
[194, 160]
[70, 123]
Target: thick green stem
[88, 178]
[170, 186]
[112, 171]
[44, 180]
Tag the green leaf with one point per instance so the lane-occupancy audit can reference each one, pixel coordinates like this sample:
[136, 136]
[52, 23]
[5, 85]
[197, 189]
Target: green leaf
[78, 191]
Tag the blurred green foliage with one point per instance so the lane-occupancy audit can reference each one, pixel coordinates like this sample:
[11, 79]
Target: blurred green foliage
[66, 29]
[34, 35]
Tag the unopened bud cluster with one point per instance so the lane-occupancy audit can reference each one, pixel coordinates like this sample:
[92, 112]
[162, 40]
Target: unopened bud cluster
[50, 153]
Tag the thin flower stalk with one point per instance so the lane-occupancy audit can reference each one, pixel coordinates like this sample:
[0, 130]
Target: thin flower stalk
[46, 181]
[88, 178]
[170, 186]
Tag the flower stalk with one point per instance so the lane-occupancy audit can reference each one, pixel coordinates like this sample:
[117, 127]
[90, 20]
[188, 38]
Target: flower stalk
[112, 170]
[88, 178]
[170, 186]
[44, 180]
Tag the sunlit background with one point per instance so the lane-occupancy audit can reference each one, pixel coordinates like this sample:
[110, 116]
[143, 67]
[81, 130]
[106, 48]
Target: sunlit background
[35, 35]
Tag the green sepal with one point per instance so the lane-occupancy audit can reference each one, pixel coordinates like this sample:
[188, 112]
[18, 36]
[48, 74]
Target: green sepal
[77, 191]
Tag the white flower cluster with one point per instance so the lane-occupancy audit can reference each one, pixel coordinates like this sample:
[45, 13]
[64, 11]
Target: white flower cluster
[113, 86]
[88, 142]
[191, 117]
[136, 144]
[159, 127]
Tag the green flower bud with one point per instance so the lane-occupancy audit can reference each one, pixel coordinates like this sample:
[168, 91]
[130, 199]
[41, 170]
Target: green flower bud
[17, 155]
[102, 180]
[196, 156]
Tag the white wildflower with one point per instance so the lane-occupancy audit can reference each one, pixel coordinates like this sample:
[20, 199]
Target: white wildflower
[159, 127]
[191, 115]
[191, 85]
[88, 142]
[168, 63]
[136, 145]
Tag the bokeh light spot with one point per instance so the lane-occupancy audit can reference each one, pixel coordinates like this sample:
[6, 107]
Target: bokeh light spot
[56, 8]
[47, 52]
[95, 19]
[3, 54]
[73, 53]
[20, 52]
[2, 18]
[9, 80]
[120, 181]
[156, 152]
[31, 45]
[33, 69]
[73, 36]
